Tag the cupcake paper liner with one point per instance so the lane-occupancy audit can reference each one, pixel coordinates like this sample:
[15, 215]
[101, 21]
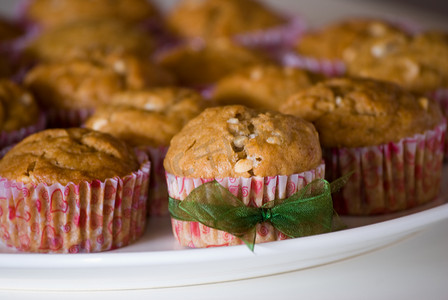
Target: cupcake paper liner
[74, 218]
[253, 191]
[158, 196]
[441, 97]
[389, 177]
[330, 68]
[66, 118]
[8, 138]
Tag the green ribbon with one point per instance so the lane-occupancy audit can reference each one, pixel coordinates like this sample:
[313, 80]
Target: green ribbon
[307, 212]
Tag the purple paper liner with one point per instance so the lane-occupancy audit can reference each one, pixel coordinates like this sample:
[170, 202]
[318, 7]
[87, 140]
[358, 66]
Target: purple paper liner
[8, 138]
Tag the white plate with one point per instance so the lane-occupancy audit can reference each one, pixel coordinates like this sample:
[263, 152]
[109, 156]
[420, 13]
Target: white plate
[156, 261]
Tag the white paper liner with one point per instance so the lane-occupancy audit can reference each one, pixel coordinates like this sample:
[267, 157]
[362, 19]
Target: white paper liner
[88, 217]
[330, 68]
[8, 138]
[389, 177]
[253, 191]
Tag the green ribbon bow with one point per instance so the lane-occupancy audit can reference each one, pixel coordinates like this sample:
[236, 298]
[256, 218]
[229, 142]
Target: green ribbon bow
[307, 212]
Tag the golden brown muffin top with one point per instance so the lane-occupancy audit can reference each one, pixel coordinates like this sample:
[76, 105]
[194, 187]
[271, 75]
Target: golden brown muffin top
[147, 117]
[68, 155]
[86, 84]
[362, 112]
[198, 64]
[334, 40]
[262, 86]
[220, 18]
[235, 141]
[419, 63]
[18, 109]
[91, 40]
[51, 13]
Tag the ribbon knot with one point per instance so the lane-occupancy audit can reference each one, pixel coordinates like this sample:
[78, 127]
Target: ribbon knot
[266, 214]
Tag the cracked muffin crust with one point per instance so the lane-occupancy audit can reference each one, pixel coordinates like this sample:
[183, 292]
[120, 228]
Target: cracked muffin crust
[362, 112]
[68, 155]
[87, 84]
[262, 86]
[418, 63]
[235, 141]
[147, 117]
[335, 41]
[18, 109]
[92, 40]
[50, 13]
[220, 18]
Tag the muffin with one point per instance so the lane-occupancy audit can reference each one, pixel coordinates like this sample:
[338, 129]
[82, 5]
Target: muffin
[70, 91]
[390, 138]
[48, 13]
[72, 190]
[418, 63]
[148, 119]
[327, 49]
[92, 40]
[257, 155]
[19, 113]
[261, 86]
[198, 64]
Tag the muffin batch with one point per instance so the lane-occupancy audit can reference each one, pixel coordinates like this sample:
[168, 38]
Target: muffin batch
[227, 115]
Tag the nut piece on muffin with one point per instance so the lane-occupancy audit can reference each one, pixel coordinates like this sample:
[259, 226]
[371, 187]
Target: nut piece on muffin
[49, 13]
[91, 40]
[264, 86]
[148, 117]
[18, 109]
[199, 64]
[390, 138]
[335, 41]
[235, 141]
[220, 18]
[418, 63]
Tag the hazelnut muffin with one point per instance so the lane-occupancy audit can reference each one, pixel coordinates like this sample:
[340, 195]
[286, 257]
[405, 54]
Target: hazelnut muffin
[148, 119]
[327, 49]
[48, 13]
[199, 64]
[19, 113]
[390, 138]
[70, 91]
[261, 86]
[254, 154]
[418, 63]
[72, 190]
[220, 18]
[92, 40]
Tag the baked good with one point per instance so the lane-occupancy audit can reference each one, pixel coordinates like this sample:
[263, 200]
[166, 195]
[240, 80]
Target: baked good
[81, 85]
[48, 13]
[199, 64]
[72, 190]
[241, 148]
[209, 19]
[418, 63]
[19, 113]
[372, 127]
[92, 40]
[264, 86]
[148, 119]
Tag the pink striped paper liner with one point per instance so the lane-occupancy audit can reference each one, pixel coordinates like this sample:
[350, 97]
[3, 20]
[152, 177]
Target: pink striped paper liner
[87, 217]
[158, 195]
[253, 191]
[441, 97]
[389, 177]
[8, 138]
